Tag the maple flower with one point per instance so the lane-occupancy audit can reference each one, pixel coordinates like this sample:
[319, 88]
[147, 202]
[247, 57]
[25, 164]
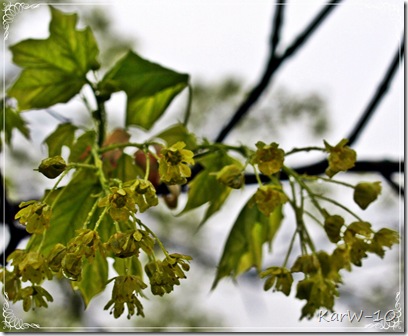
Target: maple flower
[269, 197]
[341, 157]
[174, 164]
[269, 158]
[121, 203]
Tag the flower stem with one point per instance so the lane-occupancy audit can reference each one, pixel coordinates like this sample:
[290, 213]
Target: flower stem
[339, 205]
[101, 218]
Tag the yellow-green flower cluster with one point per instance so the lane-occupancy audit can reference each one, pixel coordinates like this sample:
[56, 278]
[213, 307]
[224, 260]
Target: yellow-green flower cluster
[124, 291]
[164, 275]
[35, 216]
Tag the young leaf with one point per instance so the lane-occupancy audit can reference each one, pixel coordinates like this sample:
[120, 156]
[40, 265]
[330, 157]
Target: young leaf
[243, 248]
[131, 266]
[54, 69]
[126, 169]
[94, 278]
[205, 187]
[178, 133]
[149, 87]
[81, 148]
[62, 136]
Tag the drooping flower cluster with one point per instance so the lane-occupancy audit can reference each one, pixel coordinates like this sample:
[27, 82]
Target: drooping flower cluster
[69, 260]
[125, 291]
[127, 244]
[122, 201]
[164, 275]
[28, 266]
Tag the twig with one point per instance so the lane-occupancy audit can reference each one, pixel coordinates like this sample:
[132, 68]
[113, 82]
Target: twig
[378, 95]
[277, 26]
[274, 63]
[383, 167]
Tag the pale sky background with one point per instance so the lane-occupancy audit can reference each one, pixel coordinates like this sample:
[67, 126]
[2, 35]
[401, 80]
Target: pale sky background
[344, 61]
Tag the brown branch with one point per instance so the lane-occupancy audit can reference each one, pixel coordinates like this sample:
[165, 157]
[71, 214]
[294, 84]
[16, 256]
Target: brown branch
[274, 64]
[379, 94]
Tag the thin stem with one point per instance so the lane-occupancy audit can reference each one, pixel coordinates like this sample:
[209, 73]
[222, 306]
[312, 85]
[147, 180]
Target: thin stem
[123, 145]
[339, 205]
[291, 172]
[257, 176]
[305, 149]
[290, 248]
[314, 218]
[147, 173]
[100, 173]
[90, 214]
[101, 218]
[157, 238]
[328, 180]
[189, 103]
[56, 185]
[81, 165]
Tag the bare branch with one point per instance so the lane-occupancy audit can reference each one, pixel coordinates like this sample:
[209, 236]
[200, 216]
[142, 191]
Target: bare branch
[277, 26]
[273, 64]
[379, 94]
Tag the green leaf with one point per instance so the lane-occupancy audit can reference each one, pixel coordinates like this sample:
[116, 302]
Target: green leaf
[178, 133]
[149, 87]
[126, 169]
[54, 69]
[11, 121]
[82, 147]
[243, 248]
[128, 266]
[94, 278]
[62, 136]
[205, 188]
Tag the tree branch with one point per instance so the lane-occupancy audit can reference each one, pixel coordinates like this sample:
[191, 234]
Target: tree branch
[384, 167]
[277, 26]
[274, 63]
[379, 94]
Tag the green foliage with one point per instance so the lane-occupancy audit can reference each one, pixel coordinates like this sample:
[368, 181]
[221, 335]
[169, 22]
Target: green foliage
[243, 248]
[64, 135]
[54, 69]
[150, 88]
[14, 121]
[95, 217]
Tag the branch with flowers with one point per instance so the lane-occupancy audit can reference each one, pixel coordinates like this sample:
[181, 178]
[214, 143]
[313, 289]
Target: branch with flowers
[77, 228]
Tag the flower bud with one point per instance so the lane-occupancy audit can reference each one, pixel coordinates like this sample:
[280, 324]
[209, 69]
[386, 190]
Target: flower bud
[52, 167]
[365, 193]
